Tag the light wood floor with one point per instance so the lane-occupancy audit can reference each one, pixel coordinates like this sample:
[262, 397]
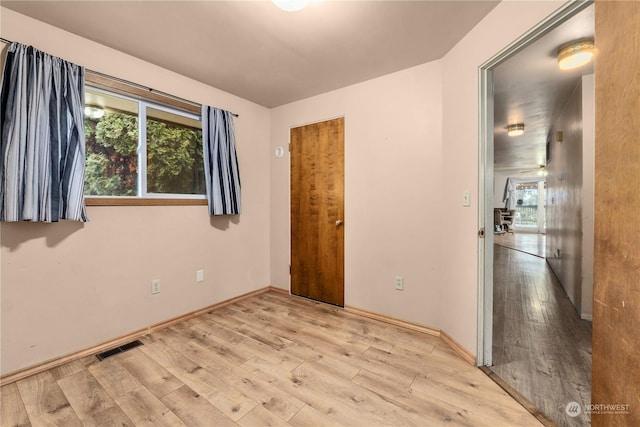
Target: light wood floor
[540, 345]
[270, 360]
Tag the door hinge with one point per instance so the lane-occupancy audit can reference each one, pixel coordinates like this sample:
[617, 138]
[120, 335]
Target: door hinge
[289, 269]
[481, 233]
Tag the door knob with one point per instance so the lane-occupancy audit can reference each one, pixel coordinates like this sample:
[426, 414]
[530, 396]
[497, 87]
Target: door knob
[339, 222]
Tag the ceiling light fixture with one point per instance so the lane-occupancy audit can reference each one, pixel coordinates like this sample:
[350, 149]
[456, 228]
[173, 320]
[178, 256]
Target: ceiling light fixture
[515, 129]
[575, 54]
[291, 5]
[93, 112]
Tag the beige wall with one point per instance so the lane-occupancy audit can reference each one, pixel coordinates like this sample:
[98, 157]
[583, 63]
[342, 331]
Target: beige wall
[68, 286]
[508, 21]
[411, 148]
[405, 180]
[393, 170]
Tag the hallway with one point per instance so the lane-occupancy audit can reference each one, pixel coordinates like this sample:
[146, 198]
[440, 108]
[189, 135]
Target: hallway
[541, 347]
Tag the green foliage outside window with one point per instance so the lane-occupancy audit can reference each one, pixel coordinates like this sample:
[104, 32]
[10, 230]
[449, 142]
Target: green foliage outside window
[174, 156]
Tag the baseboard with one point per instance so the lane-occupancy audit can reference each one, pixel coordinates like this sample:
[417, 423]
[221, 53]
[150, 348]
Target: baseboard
[279, 290]
[455, 346]
[458, 348]
[394, 321]
[107, 345]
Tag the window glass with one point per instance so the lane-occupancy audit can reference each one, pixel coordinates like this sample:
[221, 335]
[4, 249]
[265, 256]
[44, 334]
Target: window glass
[139, 149]
[174, 154]
[111, 129]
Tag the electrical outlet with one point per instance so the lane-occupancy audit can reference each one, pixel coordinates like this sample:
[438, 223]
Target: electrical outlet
[199, 275]
[155, 286]
[399, 283]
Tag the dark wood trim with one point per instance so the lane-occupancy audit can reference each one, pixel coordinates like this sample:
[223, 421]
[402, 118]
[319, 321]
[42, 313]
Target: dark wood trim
[140, 201]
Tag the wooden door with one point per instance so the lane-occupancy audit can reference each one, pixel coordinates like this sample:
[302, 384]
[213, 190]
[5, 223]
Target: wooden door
[317, 211]
[616, 295]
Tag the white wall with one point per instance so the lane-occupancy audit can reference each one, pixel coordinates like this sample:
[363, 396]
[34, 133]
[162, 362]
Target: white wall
[393, 188]
[68, 286]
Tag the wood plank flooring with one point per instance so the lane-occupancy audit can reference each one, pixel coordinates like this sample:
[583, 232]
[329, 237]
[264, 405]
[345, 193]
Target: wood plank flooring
[531, 243]
[541, 347]
[269, 360]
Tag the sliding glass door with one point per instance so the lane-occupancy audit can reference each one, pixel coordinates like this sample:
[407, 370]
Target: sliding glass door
[530, 206]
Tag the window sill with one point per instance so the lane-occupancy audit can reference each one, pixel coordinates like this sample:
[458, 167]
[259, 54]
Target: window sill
[139, 201]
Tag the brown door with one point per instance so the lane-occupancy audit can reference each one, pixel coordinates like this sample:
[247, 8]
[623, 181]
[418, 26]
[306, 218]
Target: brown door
[616, 296]
[317, 211]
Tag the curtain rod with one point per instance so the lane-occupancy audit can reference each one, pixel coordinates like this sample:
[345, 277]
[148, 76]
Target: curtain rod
[139, 86]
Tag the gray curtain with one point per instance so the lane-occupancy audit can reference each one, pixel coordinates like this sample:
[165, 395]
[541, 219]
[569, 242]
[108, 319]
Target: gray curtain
[220, 162]
[43, 142]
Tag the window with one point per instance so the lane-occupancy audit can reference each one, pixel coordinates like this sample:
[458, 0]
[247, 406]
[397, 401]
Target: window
[141, 149]
[530, 205]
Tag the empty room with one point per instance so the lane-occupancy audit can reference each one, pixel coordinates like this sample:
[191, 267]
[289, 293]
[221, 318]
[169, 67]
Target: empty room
[281, 212]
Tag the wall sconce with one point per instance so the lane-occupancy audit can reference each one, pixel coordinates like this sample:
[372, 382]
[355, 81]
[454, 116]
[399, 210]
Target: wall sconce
[515, 129]
[575, 54]
[93, 112]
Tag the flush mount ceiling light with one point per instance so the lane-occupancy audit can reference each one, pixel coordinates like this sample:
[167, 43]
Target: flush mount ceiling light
[515, 129]
[290, 5]
[93, 112]
[575, 54]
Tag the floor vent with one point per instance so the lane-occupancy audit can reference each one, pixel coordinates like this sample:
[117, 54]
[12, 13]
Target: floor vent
[117, 350]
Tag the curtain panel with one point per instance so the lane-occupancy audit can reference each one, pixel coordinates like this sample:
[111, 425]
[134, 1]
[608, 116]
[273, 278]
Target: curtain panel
[43, 142]
[220, 162]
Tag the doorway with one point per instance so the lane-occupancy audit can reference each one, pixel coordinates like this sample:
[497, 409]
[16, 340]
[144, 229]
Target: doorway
[317, 211]
[519, 294]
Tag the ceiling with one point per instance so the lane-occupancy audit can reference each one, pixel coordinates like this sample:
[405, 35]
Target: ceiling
[529, 88]
[256, 51]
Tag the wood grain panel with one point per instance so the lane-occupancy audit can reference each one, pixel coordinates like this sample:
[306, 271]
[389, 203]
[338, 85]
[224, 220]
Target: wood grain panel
[317, 202]
[616, 308]
[45, 402]
[12, 410]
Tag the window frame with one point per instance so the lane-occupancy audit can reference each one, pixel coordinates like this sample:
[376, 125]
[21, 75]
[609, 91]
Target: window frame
[144, 99]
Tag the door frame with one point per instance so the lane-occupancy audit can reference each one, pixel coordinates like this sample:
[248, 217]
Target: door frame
[484, 353]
